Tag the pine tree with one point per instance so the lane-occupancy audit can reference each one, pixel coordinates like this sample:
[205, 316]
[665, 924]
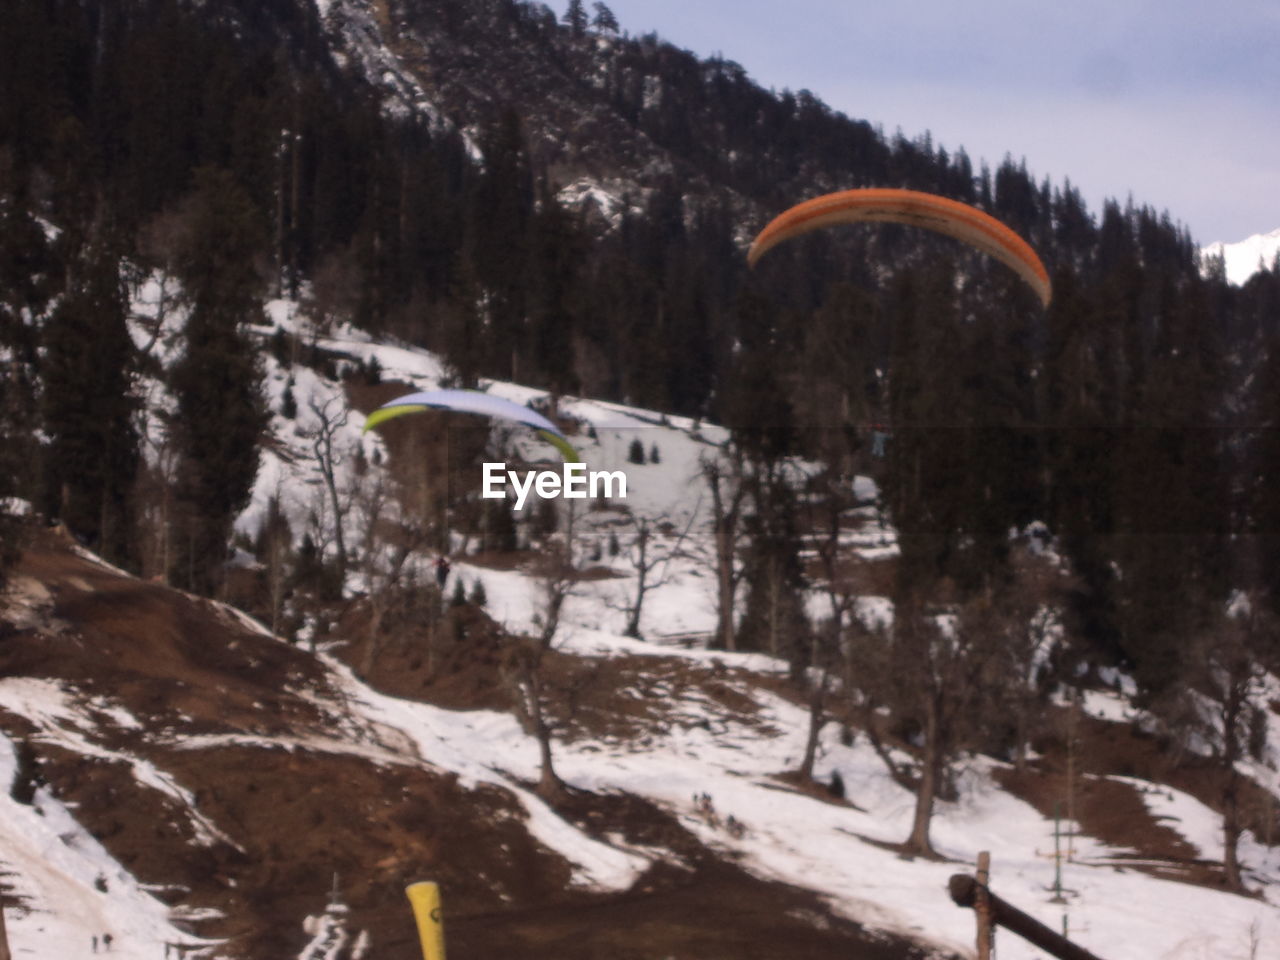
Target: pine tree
[88, 409]
[774, 618]
[575, 17]
[834, 378]
[604, 20]
[288, 402]
[556, 260]
[926, 467]
[1174, 497]
[499, 526]
[26, 266]
[503, 219]
[218, 383]
[1262, 465]
[755, 404]
[1079, 405]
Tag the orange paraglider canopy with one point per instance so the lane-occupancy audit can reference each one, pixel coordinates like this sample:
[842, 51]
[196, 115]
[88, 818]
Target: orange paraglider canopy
[959, 220]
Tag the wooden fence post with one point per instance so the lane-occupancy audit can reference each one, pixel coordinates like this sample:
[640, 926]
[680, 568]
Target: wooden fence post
[964, 891]
[982, 907]
[4, 937]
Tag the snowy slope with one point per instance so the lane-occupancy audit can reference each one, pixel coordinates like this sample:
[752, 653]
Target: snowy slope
[71, 889]
[1245, 257]
[691, 743]
[802, 840]
[834, 849]
[1121, 913]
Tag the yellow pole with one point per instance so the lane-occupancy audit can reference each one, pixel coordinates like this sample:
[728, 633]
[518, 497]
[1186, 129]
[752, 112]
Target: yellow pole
[425, 900]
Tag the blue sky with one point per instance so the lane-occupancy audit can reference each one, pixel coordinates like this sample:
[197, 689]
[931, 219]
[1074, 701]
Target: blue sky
[1176, 103]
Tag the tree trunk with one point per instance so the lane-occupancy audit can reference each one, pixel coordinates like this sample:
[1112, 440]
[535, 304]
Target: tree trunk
[775, 600]
[817, 719]
[726, 523]
[331, 484]
[1231, 831]
[642, 575]
[373, 642]
[633, 619]
[1232, 716]
[725, 596]
[927, 789]
[550, 786]
[1020, 752]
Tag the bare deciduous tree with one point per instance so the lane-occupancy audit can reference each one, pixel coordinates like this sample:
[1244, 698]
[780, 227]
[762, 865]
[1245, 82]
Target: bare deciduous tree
[1220, 701]
[651, 562]
[525, 667]
[390, 541]
[154, 491]
[724, 480]
[1028, 622]
[942, 672]
[331, 417]
[275, 545]
[826, 643]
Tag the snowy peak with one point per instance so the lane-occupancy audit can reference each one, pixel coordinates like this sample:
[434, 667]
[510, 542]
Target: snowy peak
[1244, 258]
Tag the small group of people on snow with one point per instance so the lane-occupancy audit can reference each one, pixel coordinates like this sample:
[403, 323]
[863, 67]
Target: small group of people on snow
[706, 808]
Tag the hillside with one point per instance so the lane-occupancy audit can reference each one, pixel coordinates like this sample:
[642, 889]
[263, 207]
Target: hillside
[231, 774]
[910, 563]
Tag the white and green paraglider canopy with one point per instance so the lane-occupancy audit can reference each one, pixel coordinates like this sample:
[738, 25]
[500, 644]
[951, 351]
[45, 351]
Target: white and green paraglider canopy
[480, 404]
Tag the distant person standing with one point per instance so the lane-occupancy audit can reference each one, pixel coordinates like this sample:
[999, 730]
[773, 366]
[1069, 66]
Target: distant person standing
[879, 438]
[442, 571]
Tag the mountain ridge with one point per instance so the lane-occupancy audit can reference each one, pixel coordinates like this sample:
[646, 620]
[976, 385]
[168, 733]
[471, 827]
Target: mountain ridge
[1244, 258]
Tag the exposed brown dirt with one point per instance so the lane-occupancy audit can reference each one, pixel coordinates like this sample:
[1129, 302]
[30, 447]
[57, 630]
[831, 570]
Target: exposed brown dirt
[292, 818]
[449, 656]
[1113, 811]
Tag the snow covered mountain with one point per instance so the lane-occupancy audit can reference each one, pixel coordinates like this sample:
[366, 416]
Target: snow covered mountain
[1244, 258]
[187, 780]
[178, 776]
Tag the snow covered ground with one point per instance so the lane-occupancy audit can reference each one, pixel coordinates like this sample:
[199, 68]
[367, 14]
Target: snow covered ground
[1119, 913]
[835, 849]
[790, 836]
[73, 891]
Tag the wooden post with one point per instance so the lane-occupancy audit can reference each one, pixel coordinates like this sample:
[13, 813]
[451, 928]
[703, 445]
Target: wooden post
[964, 891]
[1072, 719]
[1057, 851]
[982, 907]
[4, 938]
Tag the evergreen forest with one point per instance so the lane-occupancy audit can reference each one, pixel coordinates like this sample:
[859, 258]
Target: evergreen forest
[1135, 422]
